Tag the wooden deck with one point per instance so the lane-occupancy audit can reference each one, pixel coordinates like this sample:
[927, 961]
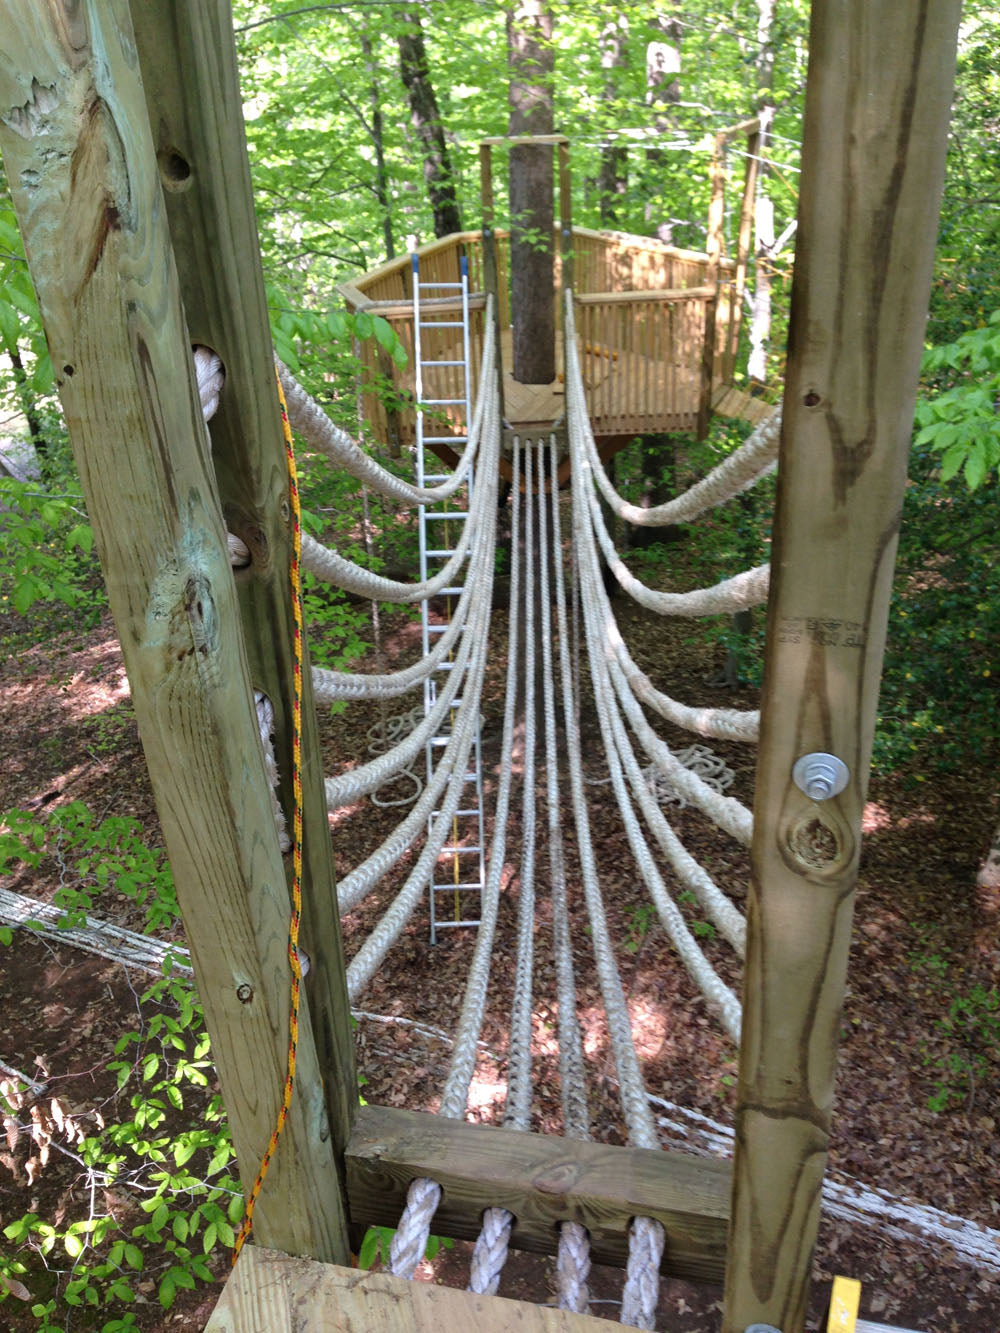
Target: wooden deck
[269, 1292]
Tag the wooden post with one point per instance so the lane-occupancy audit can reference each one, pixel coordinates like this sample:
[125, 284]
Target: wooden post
[742, 252]
[188, 61]
[879, 91]
[716, 218]
[83, 175]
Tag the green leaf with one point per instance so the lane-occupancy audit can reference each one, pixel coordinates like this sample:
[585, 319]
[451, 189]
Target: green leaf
[133, 1257]
[73, 1246]
[364, 324]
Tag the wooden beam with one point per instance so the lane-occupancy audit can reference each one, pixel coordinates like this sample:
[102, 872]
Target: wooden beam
[83, 176]
[657, 294]
[188, 61]
[880, 83]
[543, 1181]
[522, 140]
[565, 217]
[269, 1292]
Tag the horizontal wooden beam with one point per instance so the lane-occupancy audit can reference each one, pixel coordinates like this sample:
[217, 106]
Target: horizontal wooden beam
[519, 140]
[657, 294]
[542, 1180]
[438, 305]
[734, 131]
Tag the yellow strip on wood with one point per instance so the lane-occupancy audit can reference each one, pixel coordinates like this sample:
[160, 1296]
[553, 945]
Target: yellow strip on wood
[845, 1300]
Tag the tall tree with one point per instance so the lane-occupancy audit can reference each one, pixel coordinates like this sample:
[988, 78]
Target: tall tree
[760, 326]
[531, 64]
[613, 179]
[378, 137]
[427, 124]
[663, 90]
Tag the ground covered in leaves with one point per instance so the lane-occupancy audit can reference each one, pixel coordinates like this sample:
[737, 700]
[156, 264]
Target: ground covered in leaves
[919, 1079]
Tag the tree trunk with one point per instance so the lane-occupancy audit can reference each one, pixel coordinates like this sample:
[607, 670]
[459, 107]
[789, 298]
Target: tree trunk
[760, 327]
[381, 176]
[426, 121]
[530, 62]
[612, 182]
[663, 89]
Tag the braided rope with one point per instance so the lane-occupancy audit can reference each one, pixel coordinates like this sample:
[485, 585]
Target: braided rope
[646, 1241]
[463, 1059]
[618, 751]
[410, 1241]
[295, 577]
[211, 377]
[315, 426]
[265, 725]
[466, 723]
[490, 1253]
[573, 1267]
[576, 1117]
[754, 459]
[517, 1113]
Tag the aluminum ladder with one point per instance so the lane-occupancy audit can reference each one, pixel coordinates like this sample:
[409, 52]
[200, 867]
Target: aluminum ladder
[442, 383]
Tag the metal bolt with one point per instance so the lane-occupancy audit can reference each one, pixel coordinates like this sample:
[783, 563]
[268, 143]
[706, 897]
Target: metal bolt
[244, 993]
[820, 775]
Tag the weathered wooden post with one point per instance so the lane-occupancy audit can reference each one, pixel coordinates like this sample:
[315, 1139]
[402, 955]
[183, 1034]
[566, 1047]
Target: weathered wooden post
[742, 249]
[84, 178]
[879, 91]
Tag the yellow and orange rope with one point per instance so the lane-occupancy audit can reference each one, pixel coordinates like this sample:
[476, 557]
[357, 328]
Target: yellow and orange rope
[296, 917]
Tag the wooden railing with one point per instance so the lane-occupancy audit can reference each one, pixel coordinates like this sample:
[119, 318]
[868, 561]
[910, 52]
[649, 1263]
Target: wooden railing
[643, 310]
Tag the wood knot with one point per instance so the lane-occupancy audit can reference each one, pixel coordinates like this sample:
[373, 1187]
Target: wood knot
[814, 843]
[557, 1178]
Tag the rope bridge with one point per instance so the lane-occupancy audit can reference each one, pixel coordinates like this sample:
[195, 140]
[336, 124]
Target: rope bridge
[643, 770]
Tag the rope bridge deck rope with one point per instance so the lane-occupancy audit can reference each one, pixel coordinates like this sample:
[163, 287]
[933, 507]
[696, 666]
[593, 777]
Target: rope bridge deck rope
[539, 617]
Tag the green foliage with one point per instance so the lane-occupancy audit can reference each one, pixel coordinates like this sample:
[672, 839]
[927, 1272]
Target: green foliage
[168, 1150]
[45, 549]
[965, 1044]
[959, 419]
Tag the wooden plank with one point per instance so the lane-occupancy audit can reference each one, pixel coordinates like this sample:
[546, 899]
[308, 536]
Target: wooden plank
[269, 1292]
[525, 140]
[657, 294]
[543, 1181]
[188, 59]
[83, 174]
[880, 83]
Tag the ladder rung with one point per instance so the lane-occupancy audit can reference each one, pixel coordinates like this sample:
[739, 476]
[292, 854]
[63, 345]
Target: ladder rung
[454, 925]
[436, 476]
[442, 324]
[441, 363]
[436, 286]
[443, 402]
[439, 554]
[443, 888]
[452, 513]
[445, 439]
[458, 851]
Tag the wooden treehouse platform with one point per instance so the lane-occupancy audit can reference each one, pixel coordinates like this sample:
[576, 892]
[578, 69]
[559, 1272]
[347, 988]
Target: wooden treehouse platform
[644, 313]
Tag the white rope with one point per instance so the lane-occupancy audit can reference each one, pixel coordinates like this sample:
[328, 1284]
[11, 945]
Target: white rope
[312, 423]
[754, 459]
[573, 1254]
[327, 565]
[517, 1113]
[265, 725]
[697, 759]
[463, 1060]
[646, 1239]
[466, 722]
[211, 377]
[743, 590]
[381, 737]
[573, 1267]
[331, 685]
[410, 1241]
[490, 1253]
[619, 752]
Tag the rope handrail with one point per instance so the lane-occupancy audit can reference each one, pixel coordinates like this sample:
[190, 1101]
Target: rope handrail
[312, 423]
